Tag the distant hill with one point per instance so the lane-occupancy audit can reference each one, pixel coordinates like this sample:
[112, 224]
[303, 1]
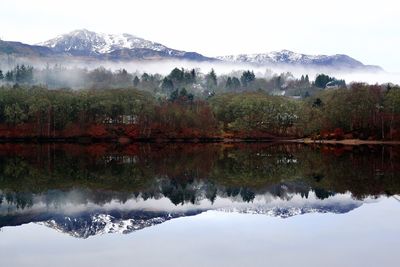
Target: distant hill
[286, 57]
[21, 49]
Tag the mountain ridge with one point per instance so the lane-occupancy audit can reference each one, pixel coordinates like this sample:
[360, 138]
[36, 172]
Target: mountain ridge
[88, 45]
[287, 57]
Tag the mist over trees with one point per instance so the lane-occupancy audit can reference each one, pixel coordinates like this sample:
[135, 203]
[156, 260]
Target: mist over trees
[20, 74]
[192, 80]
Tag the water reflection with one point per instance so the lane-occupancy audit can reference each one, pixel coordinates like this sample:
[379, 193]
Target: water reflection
[95, 189]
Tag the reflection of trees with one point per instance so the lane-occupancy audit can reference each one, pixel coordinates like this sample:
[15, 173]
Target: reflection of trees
[362, 171]
[20, 200]
[190, 173]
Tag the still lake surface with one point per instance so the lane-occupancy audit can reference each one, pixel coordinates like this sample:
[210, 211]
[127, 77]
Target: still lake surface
[257, 204]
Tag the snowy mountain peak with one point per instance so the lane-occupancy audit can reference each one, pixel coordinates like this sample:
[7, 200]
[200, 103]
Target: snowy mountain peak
[287, 57]
[87, 42]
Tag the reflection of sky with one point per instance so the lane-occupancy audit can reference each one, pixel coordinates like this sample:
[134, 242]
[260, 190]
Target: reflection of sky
[75, 202]
[367, 236]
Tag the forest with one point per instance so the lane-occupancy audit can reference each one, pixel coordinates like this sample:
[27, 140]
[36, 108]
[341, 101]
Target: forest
[187, 104]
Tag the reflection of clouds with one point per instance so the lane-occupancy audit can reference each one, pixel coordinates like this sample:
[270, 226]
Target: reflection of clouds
[76, 201]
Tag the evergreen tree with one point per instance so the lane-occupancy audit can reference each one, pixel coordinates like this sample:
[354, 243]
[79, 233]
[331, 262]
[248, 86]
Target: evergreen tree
[235, 83]
[22, 74]
[177, 75]
[247, 78]
[193, 74]
[278, 82]
[145, 77]
[183, 92]
[188, 78]
[1, 75]
[18, 74]
[211, 79]
[122, 77]
[167, 84]
[228, 84]
[321, 80]
[136, 81]
[10, 76]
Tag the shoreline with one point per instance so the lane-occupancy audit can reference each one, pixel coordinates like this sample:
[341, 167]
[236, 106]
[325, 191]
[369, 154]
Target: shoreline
[126, 140]
[351, 142]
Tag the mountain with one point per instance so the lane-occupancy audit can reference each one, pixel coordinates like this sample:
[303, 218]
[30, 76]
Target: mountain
[286, 57]
[91, 43]
[21, 49]
[89, 46]
[115, 47]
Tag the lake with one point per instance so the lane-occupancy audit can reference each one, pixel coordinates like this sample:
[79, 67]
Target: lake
[240, 204]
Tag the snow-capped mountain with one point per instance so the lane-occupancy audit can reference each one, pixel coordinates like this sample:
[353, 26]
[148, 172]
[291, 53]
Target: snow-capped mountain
[286, 57]
[114, 46]
[85, 41]
[91, 47]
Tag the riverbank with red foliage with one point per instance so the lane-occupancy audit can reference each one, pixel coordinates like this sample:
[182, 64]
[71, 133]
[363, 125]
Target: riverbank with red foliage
[124, 134]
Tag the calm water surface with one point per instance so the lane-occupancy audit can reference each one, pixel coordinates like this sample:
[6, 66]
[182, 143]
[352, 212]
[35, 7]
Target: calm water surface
[199, 205]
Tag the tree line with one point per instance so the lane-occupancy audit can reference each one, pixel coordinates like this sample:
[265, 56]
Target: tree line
[199, 84]
[359, 111]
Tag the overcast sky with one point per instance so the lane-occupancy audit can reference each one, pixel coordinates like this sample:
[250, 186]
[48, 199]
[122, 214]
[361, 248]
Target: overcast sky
[366, 30]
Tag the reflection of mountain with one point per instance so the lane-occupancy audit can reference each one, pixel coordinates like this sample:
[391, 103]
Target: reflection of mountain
[89, 225]
[81, 218]
[102, 188]
[286, 212]
[86, 225]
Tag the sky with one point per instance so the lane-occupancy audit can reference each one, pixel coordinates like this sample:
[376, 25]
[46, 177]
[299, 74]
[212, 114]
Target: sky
[366, 30]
